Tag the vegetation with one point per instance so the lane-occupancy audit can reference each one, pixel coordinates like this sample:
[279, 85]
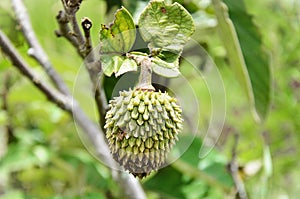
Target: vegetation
[239, 93]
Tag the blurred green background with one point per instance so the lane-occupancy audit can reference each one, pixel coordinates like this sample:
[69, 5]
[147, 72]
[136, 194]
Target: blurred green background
[41, 155]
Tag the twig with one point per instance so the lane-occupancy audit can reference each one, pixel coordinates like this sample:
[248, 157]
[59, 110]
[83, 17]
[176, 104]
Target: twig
[130, 185]
[71, 7]
[36, 50]
[64, 29]
[234, 171]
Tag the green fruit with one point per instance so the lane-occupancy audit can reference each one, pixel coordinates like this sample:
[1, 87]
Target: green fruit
[141, 127]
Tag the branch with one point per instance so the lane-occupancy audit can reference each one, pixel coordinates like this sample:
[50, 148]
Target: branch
[130, 185]
[83, 44]
[71, 7]
[234, 171]
[36, 50]
[64, 29]
[17, 61]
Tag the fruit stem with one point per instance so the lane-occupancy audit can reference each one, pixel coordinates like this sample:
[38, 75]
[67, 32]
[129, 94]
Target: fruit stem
[145, 79]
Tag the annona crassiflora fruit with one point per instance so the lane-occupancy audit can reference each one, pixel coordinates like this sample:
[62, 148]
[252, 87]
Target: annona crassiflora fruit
[141, 128]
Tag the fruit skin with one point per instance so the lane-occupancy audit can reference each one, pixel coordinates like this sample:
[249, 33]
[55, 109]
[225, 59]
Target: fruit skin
[141, 127]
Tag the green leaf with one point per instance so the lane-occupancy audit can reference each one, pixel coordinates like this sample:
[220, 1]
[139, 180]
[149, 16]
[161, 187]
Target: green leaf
[110, 64]
[167, 27]
[245, 54]
[256, 58]
[164, 68]
[119, 37]
[116, 40]
[117, 64]
[127, 66]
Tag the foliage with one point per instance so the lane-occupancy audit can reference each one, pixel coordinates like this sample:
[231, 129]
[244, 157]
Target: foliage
[46, 158]
[166, 28]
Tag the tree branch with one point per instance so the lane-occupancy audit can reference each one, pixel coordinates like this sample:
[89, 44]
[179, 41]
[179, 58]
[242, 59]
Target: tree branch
[84, 48]
[71, 7]
[65, 31]
[36, 51]
[17, 61]
[130, 185]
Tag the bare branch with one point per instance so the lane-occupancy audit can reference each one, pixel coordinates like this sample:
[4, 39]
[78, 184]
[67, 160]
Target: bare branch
[36, 50]
[234, 170]
[71, 7]
[64, 29]
[130, 185]
[17, 61]
[93, 66]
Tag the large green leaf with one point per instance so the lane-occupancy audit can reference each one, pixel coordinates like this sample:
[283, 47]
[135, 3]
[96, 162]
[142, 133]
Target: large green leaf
[116, 40]
[119, 37]
[167, 27]
[255, 57]
[244, 48]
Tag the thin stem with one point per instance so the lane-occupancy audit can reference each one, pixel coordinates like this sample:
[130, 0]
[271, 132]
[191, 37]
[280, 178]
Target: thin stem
[64, 29]
[71, 7]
